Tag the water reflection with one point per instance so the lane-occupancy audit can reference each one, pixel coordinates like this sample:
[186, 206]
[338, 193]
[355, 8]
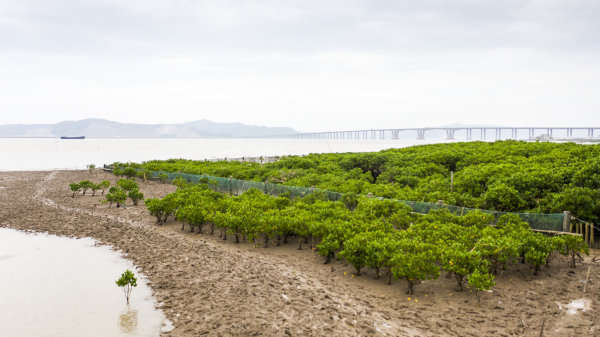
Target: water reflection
[128, 320]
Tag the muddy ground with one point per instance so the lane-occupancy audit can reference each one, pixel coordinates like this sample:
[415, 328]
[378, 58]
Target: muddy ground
[210, 287]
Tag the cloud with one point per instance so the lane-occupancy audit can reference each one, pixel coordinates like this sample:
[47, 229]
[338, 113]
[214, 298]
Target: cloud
[317, 64]
[184, 26]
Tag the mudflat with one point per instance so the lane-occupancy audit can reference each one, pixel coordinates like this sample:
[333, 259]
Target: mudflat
[210, 287]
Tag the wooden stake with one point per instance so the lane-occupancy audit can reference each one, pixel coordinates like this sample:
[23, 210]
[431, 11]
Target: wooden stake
[587, 278]
[588, 232]
[571, 227]
[542, 329]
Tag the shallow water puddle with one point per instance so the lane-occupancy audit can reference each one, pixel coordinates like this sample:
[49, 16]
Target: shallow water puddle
[581, 304]
[54, 286]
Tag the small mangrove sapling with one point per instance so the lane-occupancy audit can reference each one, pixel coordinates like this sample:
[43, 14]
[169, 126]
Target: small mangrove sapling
[105, 184]
[74, 188]
[127, 281]
[135, 196]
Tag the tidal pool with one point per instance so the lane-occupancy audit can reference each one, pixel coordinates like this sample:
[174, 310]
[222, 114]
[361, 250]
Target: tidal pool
[54, 286]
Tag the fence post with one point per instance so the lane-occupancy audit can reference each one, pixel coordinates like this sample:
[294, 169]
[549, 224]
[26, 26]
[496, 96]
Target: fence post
[566, 220]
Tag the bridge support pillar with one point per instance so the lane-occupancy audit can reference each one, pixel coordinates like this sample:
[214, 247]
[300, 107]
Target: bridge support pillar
[395, 134]
[420, 134]
[469, 132]
[449, 133]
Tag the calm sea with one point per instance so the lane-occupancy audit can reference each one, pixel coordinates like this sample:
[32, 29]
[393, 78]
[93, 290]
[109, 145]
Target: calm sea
[20, 154]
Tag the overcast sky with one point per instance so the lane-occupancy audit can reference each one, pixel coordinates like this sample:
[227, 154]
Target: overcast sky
[311, 65]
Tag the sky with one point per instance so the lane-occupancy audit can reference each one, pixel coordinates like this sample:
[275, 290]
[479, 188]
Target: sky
[310, 65]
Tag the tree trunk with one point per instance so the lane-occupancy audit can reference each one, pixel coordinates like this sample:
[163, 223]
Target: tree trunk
[459, 281]
[266, 243]
[299, 243]
[358, 268]
[237, 238]
[389, 275]
[411, 287]
[182, 226]
[377, 273]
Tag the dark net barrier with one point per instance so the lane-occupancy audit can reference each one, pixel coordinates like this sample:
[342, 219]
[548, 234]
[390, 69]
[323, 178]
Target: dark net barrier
[540, 221]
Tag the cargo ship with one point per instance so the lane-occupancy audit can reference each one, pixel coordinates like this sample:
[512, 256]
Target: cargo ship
[78, 137]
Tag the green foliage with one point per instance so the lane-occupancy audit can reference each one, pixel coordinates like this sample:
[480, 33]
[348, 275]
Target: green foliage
[85, 185]
[503, 176]
[163, 177]
[135, 196]
[163, 208]
[94, 188]
[481, 280]
[127, 281]
[350, 201]
[356, 250]
[104, 185]
[415, 261]
[179, 182]
[128, 185]
[117, 196]
[75, 187]
[571, 246]
[130, 172]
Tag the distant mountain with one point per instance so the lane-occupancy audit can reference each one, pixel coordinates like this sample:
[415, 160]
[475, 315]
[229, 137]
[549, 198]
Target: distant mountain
[101, 128]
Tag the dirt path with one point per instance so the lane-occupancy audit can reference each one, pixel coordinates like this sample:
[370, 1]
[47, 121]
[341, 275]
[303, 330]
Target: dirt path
[210, 287]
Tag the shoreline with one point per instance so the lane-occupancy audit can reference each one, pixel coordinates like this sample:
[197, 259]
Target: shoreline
[210, 287]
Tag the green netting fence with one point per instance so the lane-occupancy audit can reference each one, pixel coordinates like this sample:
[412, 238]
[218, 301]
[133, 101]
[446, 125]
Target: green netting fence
[541, 221]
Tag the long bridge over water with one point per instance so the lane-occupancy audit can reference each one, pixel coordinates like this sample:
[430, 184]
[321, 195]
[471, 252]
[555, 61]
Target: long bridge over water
[467, 133]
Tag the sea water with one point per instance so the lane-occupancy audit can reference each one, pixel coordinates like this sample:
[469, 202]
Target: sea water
[54, 286]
